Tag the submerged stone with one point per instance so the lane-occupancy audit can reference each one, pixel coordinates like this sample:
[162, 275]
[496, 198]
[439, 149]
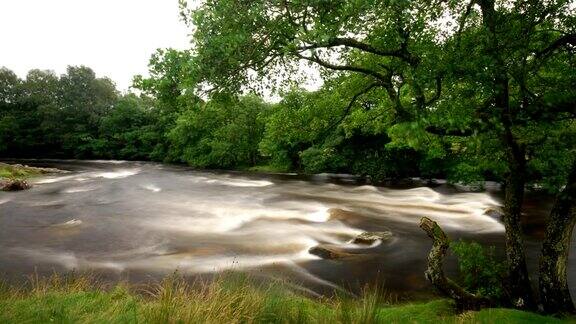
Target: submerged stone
[371, 237]
[329, 252]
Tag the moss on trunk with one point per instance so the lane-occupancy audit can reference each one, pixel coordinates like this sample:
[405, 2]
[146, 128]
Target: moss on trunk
[554, 292]
[464, 300]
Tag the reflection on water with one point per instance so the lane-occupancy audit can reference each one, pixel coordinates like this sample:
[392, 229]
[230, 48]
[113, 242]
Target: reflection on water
[148, 220]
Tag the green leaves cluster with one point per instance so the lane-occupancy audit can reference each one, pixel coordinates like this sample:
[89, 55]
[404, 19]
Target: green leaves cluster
[480, 271]
[222, 133]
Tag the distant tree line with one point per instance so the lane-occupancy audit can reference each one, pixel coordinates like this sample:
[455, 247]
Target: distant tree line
[77, 115]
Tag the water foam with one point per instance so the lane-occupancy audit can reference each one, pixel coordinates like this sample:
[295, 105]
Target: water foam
[152, 188]
[240, 183]
[118, 174]
[69, 224]
[79, 189]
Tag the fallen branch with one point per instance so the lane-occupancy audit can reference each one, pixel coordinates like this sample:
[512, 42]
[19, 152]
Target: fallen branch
[464, 300]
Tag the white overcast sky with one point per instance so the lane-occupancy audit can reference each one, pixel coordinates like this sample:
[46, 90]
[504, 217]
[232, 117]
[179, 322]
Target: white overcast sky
[113, 37]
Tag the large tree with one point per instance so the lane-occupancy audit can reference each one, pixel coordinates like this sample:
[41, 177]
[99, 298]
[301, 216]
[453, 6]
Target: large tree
[497, 73]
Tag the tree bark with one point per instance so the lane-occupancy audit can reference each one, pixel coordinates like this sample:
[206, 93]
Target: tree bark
[520, 287]
[554, 292]
[434, 273]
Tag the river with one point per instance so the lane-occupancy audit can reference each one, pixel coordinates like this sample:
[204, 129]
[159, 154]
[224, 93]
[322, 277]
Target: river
[141, 221]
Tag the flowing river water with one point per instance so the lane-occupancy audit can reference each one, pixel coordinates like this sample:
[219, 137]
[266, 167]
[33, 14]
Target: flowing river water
[142, 221]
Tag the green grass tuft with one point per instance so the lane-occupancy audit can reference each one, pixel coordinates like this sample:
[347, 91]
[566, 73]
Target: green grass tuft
[81, 299]
[14, 172]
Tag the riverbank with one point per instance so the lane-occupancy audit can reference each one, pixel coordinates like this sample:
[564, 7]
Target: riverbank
[13, 176]
[17, 171]
[23, 172]
[234, 299]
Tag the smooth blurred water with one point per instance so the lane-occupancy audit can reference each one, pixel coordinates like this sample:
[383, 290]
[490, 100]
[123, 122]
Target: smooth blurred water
[145, 220]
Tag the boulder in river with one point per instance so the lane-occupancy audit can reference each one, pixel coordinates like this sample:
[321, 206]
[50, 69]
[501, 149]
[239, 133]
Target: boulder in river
[371, 237]
[329, 252]
[14, 185]
[337, 213]
[494, 212]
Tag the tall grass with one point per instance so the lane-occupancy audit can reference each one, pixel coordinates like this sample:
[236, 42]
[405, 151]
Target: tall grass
[78, 298]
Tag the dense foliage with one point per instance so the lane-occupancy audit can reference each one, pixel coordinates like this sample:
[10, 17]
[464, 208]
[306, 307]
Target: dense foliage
[77, 115]
[480, 271]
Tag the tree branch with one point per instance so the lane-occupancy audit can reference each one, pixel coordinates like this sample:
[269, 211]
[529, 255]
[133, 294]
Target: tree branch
[464, 300]
[349, 107]
[569, 39]
[462, 21]
[438, 92]
[382, 78]
[350, 42]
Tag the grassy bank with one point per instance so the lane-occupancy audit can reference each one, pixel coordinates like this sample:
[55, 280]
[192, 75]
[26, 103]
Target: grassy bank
[80, 299]
[17, 172]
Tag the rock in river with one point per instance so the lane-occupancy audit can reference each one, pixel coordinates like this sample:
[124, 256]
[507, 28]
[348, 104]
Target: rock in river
[329, 252]
[14, 185]
[371, 237]
[494, 212]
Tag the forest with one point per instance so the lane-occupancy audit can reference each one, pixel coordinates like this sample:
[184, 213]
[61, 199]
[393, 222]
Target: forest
[467, 91]
[77, 115]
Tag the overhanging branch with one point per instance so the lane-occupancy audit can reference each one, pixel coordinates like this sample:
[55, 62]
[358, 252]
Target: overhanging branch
[569, 39]
[377, 75]
[351, 42]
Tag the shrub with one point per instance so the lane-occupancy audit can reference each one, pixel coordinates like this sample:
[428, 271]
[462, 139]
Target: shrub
[480, 271]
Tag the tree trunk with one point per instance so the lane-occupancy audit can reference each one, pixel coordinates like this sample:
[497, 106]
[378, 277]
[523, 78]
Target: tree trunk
[520, 288]
[434, 273]
[554, 292]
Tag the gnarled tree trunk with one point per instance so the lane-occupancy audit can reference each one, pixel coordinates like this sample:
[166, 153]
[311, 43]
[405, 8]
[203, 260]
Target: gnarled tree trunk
[554, 292]
[464, 300]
